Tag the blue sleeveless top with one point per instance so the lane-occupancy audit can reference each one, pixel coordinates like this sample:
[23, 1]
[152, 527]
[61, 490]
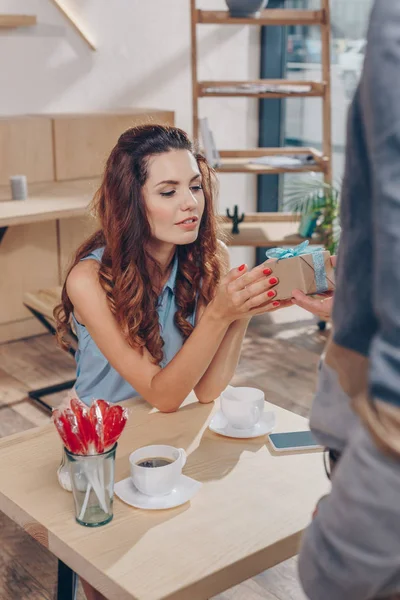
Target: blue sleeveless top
[95, 377]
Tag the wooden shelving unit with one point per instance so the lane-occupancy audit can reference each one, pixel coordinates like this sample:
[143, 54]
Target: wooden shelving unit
[238, 161]
[14, 21]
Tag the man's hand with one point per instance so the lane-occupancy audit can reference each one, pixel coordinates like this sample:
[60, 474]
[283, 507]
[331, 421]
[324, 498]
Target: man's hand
[320, 307]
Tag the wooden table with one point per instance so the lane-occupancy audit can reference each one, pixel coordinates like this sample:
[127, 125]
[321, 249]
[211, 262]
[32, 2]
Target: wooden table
[247, 517]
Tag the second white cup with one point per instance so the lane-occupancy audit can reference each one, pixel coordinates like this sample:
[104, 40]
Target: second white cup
[242, 406]
[156, 470]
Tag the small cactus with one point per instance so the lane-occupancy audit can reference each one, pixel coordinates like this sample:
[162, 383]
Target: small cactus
[235, 218]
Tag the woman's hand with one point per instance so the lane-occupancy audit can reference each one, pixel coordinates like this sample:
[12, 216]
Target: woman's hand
[320, 307]
[242, 294]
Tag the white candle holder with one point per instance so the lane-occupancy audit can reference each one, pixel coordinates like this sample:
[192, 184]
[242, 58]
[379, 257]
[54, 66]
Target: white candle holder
[19, 187]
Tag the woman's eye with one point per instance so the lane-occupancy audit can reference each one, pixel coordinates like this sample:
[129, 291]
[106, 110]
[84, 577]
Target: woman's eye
[168, 194]
[196, 188]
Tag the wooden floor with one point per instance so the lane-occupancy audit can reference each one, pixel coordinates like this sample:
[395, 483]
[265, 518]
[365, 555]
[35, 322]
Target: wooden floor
[280, 355]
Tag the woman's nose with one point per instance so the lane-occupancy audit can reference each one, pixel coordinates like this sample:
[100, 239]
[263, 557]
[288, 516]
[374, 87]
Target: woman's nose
[190, 200]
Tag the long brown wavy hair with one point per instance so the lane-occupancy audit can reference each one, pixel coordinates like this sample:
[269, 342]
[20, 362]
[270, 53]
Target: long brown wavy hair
[125, 231]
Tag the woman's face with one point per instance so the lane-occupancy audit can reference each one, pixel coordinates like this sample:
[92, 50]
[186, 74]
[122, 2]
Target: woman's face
[174, 197]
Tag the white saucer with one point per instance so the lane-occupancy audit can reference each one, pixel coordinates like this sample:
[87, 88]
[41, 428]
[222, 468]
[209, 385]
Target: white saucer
[220, 425]
[185, 490]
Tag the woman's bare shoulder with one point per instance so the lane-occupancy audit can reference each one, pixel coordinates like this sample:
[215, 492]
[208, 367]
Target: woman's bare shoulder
[83, 278]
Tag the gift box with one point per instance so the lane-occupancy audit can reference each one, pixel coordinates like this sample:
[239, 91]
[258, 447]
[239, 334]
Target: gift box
[307, 269]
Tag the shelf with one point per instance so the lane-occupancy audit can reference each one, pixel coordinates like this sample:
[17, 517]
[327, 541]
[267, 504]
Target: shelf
[270, 16]
[207, 89]
[14, 21]
[266, 217]
[47, 202]
[237, 161]
[241, 165]
[264, 230]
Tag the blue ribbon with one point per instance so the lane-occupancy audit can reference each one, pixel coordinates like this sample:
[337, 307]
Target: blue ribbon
[321, 281]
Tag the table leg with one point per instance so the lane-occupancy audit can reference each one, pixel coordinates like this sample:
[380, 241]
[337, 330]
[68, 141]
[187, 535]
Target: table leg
[67, 583]
[36, 395]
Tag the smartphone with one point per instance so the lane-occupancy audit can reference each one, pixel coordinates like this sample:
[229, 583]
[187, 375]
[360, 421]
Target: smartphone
[293, 440]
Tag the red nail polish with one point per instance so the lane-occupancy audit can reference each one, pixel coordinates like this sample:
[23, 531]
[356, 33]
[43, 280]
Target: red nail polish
[267, 271]
[241, 267]
[273, 280]
[276, 303]
[271, 294]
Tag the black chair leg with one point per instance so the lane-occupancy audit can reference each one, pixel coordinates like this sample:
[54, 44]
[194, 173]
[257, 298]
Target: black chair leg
[37, 395]
[67, 583]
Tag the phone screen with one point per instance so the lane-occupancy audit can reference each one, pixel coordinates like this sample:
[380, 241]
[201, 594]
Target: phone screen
[293, 439]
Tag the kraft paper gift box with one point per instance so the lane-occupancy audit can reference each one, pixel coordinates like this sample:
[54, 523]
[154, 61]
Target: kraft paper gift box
[302, 268]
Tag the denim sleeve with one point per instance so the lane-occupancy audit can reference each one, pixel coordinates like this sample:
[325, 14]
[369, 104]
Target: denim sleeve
[380, 101]
[351, 551]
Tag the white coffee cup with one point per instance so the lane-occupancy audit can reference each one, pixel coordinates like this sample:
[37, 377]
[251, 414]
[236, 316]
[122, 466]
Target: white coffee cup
[242, 406]
[157, 481]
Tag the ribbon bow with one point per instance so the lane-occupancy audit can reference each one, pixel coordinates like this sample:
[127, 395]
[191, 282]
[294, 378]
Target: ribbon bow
[302, 248]
[321, 282]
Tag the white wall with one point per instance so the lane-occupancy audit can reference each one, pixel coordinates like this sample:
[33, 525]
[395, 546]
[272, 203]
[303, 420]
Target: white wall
[142, 60]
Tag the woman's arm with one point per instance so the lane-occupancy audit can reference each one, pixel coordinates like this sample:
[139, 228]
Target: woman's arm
[223, 365]
[165, 388]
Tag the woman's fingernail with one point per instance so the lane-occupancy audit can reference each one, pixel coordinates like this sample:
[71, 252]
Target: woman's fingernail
[241, 267]
[271, 294]
[276, 303]
[273, 280]
[267, 271]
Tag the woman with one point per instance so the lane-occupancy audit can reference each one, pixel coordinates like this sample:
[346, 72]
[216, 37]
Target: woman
[155, 307]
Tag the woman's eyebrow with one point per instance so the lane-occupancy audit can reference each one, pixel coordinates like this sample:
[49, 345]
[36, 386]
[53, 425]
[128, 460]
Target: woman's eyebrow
[173, 182]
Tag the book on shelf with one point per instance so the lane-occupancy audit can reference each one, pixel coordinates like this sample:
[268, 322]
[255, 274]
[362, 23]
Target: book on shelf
[210, 149]
[284, 161]
[259, 88]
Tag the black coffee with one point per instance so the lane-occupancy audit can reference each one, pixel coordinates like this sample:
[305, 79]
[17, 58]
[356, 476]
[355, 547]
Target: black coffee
[156, 461]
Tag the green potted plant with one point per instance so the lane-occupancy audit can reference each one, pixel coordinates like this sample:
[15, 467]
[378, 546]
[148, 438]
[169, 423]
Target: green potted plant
[318, 203]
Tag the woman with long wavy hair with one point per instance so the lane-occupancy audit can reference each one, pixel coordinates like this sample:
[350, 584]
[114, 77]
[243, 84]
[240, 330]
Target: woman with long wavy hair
[156, 309]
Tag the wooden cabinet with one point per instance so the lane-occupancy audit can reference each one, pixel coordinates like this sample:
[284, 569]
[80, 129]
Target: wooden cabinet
[40, 237]
[26, 148]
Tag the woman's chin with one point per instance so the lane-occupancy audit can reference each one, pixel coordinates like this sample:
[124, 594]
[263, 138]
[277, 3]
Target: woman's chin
[187, 238]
